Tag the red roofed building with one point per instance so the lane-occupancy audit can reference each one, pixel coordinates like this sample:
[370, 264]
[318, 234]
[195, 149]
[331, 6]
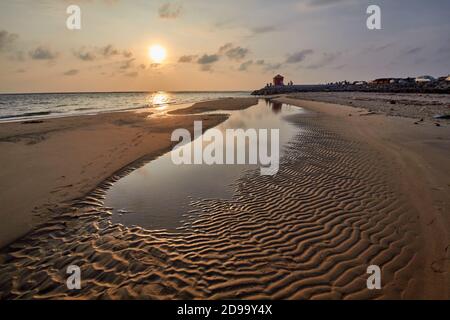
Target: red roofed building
[278, 80]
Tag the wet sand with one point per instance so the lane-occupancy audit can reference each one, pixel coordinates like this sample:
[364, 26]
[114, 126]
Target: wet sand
[416, 154]
[351, 191]
[226, 104]
[46, 163]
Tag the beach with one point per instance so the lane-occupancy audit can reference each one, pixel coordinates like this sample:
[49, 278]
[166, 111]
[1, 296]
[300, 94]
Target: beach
[48, 162]
[415, 106]
[359, 185]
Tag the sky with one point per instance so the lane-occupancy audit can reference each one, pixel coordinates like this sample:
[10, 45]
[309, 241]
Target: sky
[216, 45]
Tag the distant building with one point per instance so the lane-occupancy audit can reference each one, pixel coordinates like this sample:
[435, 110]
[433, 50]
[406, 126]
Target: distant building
[278, 80]
[382, 81]
[425, 79]
[395, 80]
[408, 80]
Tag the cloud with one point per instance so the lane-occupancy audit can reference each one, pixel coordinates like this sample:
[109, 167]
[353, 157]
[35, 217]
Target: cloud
[410, 55]
[319, 3]
[7, 40]
[263, 29]
[224, 23]
[258, 63]
[71, 72]
[373, 49]
[225, 48]
[127, 64]
[43, 53]
[127, 53]
[170, 11]
[85, 55]
[382, 47]
[109, 51]
[298, 56]
[272, 66]
[132, 74]
[308, 5]
[206, 67]
[237, 53]
[96, 53]
[413, 51]
[8, 46]
[233, 52]
[228, 50]
[187, 58]
[340, 67]
[326, 59]
[245, 65]
[208, 59]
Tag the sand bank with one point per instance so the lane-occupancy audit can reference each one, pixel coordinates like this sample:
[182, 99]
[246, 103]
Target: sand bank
[418, 153]
[226, 104]
[45, 163]
[409, 105]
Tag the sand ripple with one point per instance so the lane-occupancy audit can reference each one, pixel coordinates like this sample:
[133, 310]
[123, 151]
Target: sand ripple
[310, 232]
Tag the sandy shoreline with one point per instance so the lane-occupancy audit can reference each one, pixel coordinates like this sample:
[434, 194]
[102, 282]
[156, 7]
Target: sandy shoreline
[408, 105]
[352, 191]
[418, 154]
[226, 104]
[47, 163]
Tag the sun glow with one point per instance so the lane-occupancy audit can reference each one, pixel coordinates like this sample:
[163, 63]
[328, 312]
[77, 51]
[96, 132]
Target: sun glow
[160, 100]
[157, 53]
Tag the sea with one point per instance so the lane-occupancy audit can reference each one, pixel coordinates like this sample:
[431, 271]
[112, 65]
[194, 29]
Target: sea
[20, 107]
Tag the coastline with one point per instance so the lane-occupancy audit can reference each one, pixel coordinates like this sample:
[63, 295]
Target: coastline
[418, 155]
[408, 105]
[225, 104]
[356, 189]
[42, 106]
[47, 163]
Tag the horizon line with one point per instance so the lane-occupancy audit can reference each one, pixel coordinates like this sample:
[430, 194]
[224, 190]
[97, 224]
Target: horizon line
[132, 91]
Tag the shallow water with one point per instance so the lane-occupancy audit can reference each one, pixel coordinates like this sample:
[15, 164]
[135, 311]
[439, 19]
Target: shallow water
[14, 107]
[157, 195]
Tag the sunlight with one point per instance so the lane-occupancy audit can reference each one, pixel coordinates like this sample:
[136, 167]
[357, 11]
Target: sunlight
[160, 100]
[157, 53]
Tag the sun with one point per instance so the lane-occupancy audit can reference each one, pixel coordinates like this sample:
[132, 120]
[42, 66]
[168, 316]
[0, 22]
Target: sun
[157, 53]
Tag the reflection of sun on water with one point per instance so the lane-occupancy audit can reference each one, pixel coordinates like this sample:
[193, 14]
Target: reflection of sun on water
[160, 100]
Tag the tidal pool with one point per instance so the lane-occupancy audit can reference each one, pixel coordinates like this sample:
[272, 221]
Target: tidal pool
[157, 195]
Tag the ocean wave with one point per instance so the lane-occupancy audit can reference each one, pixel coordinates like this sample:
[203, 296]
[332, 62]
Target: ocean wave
[37, 105]
[28, 114]
[84, 109]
